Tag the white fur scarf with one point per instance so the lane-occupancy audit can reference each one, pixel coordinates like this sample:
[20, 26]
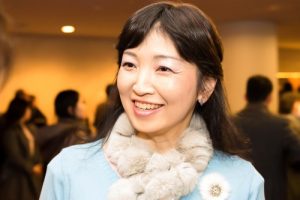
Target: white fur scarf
[147, 175]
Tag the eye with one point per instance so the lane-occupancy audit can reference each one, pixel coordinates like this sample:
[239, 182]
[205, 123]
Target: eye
[164, 69]
[128, 65]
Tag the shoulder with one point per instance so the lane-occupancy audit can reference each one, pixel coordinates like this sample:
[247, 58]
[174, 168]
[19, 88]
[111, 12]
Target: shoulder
[242, 178]
[229, 163]
[75, 156]
[75, 165]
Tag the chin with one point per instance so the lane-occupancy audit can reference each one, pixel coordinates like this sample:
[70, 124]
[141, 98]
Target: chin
[146, 127]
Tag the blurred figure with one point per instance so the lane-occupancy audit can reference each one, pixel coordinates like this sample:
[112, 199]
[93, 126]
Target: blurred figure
[286, 87]
[103, 108]
[294, 174]
[273, 142]
[22, 94]
[37, 119]
[71, 128]
[286, 98]
[21, 171]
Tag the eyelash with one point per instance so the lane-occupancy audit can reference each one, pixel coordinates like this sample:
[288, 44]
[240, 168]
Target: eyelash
[128, 65]
[164, 69]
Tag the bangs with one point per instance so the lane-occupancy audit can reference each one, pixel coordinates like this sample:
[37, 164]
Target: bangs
[192, 32]
[138, 26]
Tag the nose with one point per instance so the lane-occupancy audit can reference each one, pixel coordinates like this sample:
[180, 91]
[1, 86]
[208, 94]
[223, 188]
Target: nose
[143, 84]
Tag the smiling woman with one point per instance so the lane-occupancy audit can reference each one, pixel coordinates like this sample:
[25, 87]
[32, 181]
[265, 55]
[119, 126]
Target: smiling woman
[158, 89]
[168, 134]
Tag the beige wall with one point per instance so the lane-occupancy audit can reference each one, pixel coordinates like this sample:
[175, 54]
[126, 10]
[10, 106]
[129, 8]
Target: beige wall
[250, 48]
[46, 65]
[289, 60]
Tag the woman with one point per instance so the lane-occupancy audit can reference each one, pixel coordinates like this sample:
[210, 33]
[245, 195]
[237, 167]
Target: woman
[21, 171]
[168, 136]
[71, 127]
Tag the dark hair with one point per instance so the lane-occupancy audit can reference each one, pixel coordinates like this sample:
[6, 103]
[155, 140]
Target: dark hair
[63, 101]
[198, 42]
[258, 88]
[287, 87]
[16, 110]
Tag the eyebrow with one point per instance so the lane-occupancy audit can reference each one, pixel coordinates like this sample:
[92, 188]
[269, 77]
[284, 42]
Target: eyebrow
[156, 56]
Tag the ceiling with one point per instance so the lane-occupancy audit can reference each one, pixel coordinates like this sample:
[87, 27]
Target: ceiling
[104, 18]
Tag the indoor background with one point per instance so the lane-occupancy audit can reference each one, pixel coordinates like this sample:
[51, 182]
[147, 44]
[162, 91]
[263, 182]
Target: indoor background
[260, 37]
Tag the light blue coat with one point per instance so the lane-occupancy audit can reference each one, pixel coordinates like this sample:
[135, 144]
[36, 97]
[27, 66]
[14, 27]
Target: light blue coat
[82, 172]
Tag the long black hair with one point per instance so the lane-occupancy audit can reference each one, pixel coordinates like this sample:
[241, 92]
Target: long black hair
[197, 41]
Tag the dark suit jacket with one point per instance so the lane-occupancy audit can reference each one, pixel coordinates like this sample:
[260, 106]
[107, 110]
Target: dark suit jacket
[273, 143]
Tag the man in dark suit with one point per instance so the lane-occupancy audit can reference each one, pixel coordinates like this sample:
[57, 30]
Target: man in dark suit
[273, 142]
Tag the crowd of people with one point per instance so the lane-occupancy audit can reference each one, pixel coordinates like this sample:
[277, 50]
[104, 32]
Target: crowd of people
[275, 145]
[164, 131]
[28, 143]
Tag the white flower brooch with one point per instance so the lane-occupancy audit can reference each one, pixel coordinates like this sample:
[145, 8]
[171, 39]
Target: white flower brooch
[214, 187]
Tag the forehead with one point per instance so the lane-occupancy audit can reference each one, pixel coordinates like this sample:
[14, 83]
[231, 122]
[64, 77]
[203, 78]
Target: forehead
[157, 42]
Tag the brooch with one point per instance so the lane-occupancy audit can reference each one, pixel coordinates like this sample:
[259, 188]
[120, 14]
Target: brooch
[214, 187]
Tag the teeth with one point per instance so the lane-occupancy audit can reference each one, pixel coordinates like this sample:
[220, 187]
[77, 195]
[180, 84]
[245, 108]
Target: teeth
[146, 106]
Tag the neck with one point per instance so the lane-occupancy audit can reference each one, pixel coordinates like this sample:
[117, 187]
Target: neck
[160, 144]
[165, 140]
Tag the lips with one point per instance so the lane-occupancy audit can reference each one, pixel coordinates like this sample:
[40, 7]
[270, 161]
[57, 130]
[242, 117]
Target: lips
[146, 106]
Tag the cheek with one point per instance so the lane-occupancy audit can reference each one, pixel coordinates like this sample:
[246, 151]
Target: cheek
[178, 89]
[123, 82]
[81, 110]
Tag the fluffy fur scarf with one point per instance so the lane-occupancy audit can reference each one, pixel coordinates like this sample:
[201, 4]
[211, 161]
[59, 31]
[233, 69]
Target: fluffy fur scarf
[147, 175]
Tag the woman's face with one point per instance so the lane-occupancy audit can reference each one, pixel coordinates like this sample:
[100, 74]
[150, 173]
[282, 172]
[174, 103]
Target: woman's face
[80, 109]
[158, 88]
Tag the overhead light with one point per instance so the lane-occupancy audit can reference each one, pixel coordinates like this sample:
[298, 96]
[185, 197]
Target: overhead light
[68, 29]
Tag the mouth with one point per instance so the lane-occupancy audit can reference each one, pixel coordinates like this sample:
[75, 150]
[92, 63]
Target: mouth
[146, 106]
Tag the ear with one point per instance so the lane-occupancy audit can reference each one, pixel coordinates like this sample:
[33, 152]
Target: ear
[207, 89]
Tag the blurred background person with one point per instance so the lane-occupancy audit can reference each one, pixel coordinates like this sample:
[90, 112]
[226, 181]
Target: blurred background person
[37, 119]
[273, 141]
[287, 97]
[294, 173]
[21, 170]
[71, 128]
[103, 108]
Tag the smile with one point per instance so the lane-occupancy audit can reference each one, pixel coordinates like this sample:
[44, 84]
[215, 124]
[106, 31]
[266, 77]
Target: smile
[146, 106]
